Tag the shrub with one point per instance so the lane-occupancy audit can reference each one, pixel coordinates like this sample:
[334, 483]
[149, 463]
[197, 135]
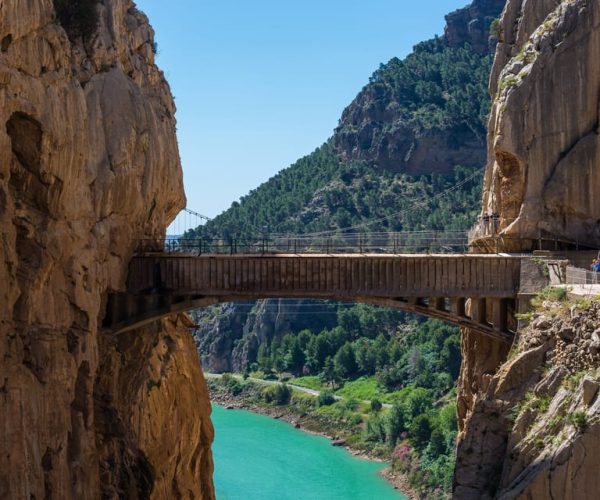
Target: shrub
[420, 432]
[326, 398]
[496, 29]
[279, 394]
[234, 387]
[580, 420]
[376, 405]
[79, 18]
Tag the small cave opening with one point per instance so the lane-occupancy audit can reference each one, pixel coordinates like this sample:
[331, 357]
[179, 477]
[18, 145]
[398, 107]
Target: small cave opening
[25, 134]
[5, 43]
[26, 184]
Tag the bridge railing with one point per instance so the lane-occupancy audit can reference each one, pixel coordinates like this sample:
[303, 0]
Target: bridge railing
[579, 276]
[391, 243]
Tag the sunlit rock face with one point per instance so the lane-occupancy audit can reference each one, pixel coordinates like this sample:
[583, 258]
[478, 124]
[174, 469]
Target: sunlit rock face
[542, 179]
[89, 162]
[543, 146]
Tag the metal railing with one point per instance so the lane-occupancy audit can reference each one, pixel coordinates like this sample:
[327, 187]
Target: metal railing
[385, 243]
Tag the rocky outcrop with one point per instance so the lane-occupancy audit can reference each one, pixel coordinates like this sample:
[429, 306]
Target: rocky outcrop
[383, 125]
[535, 428]
[89, 163]
[472, 25]
[542, 175]
[229, 335]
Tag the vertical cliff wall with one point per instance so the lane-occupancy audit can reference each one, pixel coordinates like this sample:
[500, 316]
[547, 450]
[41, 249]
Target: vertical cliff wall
[543, 144]
[528, 425]
[88, 163]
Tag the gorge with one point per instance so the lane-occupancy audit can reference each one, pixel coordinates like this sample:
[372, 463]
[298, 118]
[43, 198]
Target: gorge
[90, 164]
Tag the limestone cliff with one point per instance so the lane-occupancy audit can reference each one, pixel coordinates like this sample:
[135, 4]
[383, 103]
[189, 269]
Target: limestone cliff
[88, 163]
[541, 179]
[534, 431]
[542, 175]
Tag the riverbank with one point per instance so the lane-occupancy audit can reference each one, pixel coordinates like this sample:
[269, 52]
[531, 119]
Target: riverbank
[340, 433]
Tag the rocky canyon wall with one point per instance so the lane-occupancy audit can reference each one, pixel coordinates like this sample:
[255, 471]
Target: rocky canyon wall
[89, 162]
[542, 176]
[528, 420]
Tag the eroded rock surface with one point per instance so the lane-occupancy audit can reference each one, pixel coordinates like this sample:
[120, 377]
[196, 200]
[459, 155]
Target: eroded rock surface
[534, 430]
[88, 163]
[542, 175]
[528, 425]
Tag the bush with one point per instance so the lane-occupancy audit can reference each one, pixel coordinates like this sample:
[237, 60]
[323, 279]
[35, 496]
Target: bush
[496, 29]
[79, 18]
[580, 420]
[279, 394]
[420, 432]
[376, 405]
[326, 398]
[231, 384]
[234, 387]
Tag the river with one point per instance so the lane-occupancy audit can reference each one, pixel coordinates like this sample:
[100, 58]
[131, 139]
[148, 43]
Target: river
[259, 458]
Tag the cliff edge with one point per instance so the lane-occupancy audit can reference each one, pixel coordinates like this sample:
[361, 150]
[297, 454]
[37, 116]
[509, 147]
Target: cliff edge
[89, 162]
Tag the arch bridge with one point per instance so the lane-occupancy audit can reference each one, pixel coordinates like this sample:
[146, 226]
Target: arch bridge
[473, 290]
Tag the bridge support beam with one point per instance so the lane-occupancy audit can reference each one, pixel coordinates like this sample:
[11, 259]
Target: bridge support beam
[438, 303]
[457, 307]
[478, 311]
[500, 315]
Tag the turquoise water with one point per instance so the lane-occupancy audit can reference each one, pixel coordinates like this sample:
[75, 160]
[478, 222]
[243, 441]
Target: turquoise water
[259, 458]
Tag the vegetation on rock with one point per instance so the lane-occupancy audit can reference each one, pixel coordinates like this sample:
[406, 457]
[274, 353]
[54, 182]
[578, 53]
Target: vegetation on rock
[79, 18]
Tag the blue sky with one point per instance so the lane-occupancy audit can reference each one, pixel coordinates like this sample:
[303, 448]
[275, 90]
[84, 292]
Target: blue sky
[260, 84]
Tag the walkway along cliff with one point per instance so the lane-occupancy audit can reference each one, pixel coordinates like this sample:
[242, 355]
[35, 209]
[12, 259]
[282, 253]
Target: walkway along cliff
[89, 163]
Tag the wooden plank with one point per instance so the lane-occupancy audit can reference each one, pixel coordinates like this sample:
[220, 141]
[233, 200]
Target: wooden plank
[389, 273]
[368, 276]
[410, 271]
[452, 277]
[336, 275]
[481, 278]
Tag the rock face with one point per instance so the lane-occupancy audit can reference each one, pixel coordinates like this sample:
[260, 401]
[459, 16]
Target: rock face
[377, 127]
[516, 438]
[534, 431]
[230, 335]
[542, 176]
[472, 25]
[89, 163]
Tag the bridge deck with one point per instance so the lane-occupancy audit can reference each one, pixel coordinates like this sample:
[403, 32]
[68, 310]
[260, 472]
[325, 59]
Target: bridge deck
[328, 275]
[433, 285]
